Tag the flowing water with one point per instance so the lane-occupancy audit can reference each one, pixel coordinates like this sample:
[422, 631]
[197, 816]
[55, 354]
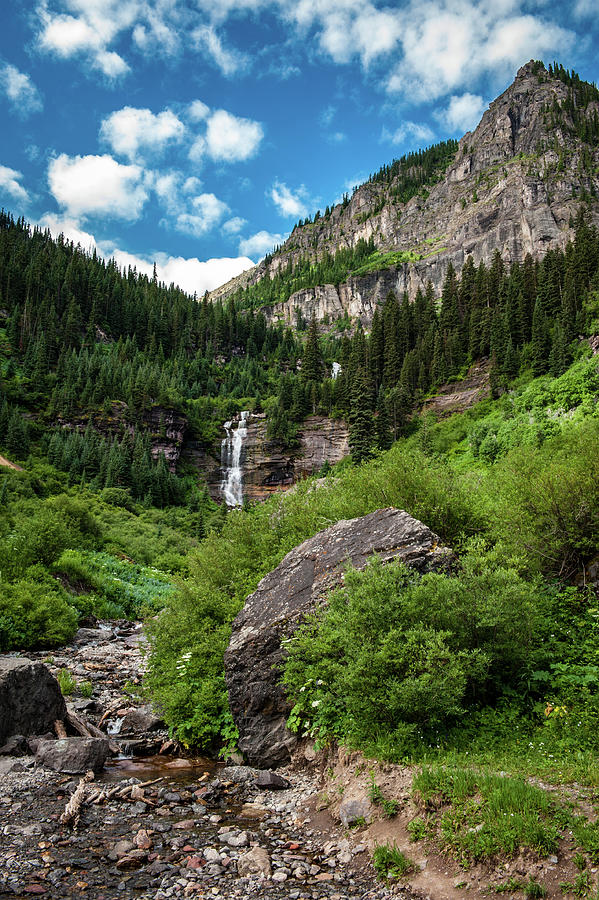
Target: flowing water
[231, 460]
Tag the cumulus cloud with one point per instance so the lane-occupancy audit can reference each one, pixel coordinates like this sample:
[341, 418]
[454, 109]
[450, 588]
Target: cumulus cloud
[448, 44]
[192, 275]
[198, 111]
[463, 113]
[89, 33]
[10, 187]
[234, 225]
[58, 225]
[20, 91]
[288, 202]
[347, 28]
[418, 131]
[206, 211]
[97, 186]
[132, 132]
[230, 138]
[260, 243]
[230, 62]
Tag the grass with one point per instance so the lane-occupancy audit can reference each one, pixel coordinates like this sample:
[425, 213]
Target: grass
[67, 683]
[476, 816]
[389, 862]
[390, 807]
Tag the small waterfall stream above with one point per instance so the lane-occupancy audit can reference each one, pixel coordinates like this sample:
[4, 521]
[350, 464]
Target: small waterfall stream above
[231, 461]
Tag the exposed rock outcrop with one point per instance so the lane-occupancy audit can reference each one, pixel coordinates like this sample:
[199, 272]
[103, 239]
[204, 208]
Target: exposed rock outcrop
[30, 698]
[267, 467]
[514, 186]
[285, 596]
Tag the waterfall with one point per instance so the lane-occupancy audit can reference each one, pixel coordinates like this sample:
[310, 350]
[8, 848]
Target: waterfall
[231, 462]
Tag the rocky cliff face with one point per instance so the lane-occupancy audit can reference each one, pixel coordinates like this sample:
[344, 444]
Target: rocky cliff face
[514, 185]
[267, 467]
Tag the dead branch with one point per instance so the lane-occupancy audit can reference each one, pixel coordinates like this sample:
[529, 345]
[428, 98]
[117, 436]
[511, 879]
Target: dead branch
[72, 811]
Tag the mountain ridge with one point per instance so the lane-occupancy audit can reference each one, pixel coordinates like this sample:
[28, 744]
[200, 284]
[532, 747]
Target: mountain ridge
[514, 185]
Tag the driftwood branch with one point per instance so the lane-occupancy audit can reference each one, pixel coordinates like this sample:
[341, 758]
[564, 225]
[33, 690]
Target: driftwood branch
[72, 811]
[59, 728]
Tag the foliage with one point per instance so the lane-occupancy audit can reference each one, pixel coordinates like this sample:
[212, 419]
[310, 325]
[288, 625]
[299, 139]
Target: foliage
[390, 862]
[66, 681]
[133, 591]
[480, 815]
[34, 613]
[394, 657]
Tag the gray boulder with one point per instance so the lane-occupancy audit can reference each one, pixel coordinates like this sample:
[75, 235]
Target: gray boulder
[140, 720]
[30, 698]
[73, 755]
[285, 596]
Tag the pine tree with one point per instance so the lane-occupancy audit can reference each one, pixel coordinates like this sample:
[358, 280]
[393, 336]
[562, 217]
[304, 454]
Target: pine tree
[312, 363]
[361, 419]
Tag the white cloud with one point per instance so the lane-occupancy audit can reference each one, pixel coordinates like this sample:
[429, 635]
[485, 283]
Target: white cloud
[131, 132]
[230, 62]
[260, 243]
[347, 28]
[419, 131]
[9, 185]
[206, 212]
[197, 151]
[584, 8]
[234, 225]
[198, 111]
[192, 275]
[230, 138]
[448, 44]
[20, 91]
[97, 186]
[87, 31]
[288, 202]
[70, 228]
[463, 113]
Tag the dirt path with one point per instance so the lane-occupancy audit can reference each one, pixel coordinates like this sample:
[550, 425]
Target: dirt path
[9, 464]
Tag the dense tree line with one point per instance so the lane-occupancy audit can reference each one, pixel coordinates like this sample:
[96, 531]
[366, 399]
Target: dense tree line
[525, 316]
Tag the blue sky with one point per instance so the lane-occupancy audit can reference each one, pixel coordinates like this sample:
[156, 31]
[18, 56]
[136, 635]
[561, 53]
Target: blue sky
[194, 133]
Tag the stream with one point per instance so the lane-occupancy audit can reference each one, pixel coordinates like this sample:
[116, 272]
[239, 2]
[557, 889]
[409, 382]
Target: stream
[157, 825]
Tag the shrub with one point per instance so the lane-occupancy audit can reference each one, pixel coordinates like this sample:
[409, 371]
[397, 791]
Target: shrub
[34, 615]
[394, 656]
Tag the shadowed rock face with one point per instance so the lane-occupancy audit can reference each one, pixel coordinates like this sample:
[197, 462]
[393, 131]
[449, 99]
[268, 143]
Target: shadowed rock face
[30, 698]
[289, 593]
[266, 466]
[506, 190]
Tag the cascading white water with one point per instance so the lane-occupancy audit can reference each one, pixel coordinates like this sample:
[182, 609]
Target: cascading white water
[231, 462]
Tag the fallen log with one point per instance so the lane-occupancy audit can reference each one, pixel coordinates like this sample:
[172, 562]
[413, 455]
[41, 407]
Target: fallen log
[72, 811]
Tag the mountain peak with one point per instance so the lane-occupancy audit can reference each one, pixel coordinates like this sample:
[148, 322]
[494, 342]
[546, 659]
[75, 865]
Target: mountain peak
[514, 184]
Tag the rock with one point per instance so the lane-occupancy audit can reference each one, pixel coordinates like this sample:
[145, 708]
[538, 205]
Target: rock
[268, 779]
[356, 809]
[30, 698]
[285, 596]
[141, 719]
[254, 862]
[92, 635]
[503, 190]
[73, 755]
[239, 774]
[16, 745]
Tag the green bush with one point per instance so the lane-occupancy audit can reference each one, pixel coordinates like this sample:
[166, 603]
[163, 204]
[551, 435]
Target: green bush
[395, 656]
[34, 615]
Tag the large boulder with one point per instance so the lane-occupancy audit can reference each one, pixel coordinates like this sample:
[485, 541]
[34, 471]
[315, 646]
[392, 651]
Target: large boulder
[73, 755]
[285, 596]
[30, 698]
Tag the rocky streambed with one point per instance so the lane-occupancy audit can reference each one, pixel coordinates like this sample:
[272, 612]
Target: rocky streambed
[152, 824]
